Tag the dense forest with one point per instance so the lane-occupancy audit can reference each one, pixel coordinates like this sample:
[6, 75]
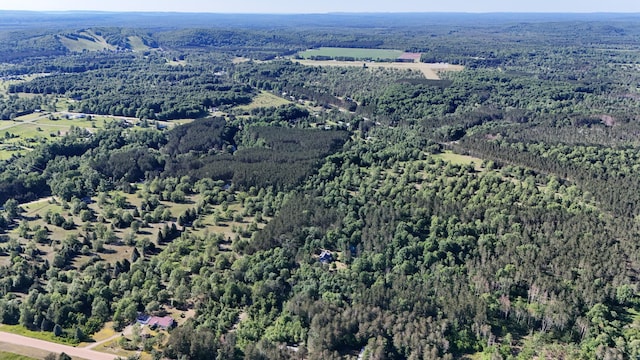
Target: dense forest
[278, 210]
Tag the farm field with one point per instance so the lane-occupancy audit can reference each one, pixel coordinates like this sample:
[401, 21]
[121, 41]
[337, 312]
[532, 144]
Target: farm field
[362, 54]
[429, 70]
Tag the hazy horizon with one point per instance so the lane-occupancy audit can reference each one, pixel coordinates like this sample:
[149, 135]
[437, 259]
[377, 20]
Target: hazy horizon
[330, 6]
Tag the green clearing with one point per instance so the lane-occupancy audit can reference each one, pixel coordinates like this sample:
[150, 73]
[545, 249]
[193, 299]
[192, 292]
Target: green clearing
[82, 44]
[263, 100]
[180, 121]
[17, 137]
[98, 121]
[177, 62]
[137, 44]
[358, 54]
[28, 131]
[5, 124]
[458, 159]
[12, 356]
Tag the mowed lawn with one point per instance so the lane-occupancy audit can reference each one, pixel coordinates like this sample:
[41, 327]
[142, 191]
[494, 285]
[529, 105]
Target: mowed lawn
[333, 52]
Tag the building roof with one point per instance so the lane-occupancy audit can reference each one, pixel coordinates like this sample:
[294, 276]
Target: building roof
[326, 256]
[163, 322]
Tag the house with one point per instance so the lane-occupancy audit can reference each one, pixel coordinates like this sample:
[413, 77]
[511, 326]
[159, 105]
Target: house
[325, 257]
[163, 323]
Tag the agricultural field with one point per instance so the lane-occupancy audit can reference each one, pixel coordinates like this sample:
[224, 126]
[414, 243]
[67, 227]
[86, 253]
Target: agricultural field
[357, 54]
[430, 71]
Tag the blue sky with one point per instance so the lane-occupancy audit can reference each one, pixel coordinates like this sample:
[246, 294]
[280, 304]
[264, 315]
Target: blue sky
[323, 6]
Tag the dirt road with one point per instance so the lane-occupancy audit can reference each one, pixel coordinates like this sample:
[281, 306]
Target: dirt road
[54, 348]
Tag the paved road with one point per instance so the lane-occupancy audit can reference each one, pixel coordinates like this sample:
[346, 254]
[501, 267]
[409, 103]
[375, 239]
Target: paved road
[54, 348]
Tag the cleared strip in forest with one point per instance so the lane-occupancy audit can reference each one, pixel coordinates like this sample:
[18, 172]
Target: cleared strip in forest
[430, 70]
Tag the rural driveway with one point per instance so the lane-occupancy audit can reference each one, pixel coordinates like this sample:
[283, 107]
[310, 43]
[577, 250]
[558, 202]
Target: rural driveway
[54, 348]
[126, 332]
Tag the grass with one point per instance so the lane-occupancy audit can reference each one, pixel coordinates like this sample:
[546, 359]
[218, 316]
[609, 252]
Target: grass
[430, 71]
[112, 347]
[181, 121]
[458, 159]
[42, 335]
[358, 54]
[29, 130]
[99, 122]
[5, 124]
[264, 99]
[105, 333]
[11, 356]
[82, 44]
[177, 62]
[137, 44]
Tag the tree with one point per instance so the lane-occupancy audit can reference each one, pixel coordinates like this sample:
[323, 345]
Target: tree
[135, 255]
[57, 330]
[11, 207]
[78, 335]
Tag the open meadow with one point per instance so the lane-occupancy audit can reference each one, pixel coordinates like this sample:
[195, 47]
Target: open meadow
[358, 54]
[264, 99]
[429, 70]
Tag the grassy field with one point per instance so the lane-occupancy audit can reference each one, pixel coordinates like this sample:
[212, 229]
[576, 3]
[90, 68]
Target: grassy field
[458, 159]
[177, 62]
[264, 99]
[430, 71]
[21, 135]
[12, 356]
[359, 54]
[81, 44]
[137, 44]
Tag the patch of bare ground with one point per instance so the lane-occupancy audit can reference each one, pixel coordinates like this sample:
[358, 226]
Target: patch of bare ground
[608, 120]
